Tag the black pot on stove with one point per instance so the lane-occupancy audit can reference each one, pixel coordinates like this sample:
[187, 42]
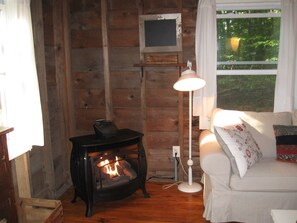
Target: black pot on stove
[105, 128]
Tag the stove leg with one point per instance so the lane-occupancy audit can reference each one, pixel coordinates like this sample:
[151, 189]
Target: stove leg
[89, 210]
[74, 198]
[145, 193]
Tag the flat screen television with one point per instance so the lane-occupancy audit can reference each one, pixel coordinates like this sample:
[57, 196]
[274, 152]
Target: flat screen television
[160, 33]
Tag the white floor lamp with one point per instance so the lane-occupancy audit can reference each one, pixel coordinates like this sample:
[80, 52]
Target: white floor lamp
[189, 81]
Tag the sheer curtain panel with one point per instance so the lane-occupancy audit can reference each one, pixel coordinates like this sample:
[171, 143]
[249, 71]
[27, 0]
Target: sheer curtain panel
[22, 107]
[285, 98]
[204, 100]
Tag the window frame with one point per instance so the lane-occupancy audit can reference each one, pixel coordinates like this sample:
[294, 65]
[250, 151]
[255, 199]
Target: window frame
[251, 6]
[2, 58]
[257, 73]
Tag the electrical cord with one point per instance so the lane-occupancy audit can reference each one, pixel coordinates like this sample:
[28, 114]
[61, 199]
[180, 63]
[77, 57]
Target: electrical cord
[181, 162]
[158, 177]
[167, 186]
[176, 158]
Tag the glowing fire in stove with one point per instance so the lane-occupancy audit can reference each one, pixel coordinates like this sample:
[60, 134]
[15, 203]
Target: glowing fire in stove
[111, 169]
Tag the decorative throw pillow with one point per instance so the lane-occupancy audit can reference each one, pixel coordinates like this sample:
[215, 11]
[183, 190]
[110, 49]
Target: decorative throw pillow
[240, 146]
[286, 142]
[294, 117]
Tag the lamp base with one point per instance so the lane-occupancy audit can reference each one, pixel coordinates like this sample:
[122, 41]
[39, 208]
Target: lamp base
[185, 187]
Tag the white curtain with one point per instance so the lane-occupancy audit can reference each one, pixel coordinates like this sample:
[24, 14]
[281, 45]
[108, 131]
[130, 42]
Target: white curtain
[204, 100]
[22, 107]
[285, 98]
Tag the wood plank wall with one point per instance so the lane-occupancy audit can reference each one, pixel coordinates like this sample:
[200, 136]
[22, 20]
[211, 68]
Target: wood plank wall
[145, 103]
[49, 166]
[41, 168]
[161, 101]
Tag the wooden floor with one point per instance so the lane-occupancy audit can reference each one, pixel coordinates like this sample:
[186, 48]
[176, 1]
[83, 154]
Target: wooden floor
[164, 205]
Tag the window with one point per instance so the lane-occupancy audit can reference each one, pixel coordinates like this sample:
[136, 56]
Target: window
[19, 81]
[248, 42]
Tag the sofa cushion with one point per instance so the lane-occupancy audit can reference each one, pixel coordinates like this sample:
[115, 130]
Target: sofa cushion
[258, 123]
[286, 142]
[221, 118]
[267, 175]
[240, 146]
[261, 127]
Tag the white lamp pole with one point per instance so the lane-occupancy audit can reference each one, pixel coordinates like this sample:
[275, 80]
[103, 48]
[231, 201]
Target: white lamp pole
[189, 81]
[190, 186]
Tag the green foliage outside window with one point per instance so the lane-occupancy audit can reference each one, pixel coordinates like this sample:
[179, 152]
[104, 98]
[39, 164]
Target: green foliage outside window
[257, 50]
[246, 93]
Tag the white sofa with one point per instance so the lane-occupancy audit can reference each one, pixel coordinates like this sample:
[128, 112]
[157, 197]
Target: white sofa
[268, 184]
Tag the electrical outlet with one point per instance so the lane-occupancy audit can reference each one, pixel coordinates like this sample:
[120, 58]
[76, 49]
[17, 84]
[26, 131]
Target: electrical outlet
[176, 150]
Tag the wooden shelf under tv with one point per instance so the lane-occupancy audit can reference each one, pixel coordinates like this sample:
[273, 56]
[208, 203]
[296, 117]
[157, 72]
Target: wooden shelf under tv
[180, 65]
[160, 65]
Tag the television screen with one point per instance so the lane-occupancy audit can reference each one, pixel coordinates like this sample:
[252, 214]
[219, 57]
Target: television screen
[160, 32]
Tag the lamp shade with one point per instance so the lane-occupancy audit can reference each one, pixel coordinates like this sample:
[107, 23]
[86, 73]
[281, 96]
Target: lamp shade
[189, 81]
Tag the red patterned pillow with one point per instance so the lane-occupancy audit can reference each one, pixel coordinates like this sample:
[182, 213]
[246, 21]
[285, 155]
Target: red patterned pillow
[286, 142]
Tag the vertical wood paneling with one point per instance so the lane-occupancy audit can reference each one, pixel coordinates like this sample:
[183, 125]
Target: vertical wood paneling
[180, 100]
[62, 147]
[106, 70]
[146, 102]
[69, 101]
[99, 46]
[44, 164]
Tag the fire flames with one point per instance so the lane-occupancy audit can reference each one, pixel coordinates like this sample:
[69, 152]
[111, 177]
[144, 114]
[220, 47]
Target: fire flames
[111, 169]
[113, 172]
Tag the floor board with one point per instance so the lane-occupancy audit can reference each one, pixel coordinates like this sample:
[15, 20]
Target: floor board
[163, 206]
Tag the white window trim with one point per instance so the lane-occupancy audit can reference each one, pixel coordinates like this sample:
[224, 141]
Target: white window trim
[251, 15]
[245, 62]
[247, 4]
[246, 72]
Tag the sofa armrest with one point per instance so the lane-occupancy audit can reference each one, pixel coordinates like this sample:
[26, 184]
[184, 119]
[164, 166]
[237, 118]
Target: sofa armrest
[213, 160]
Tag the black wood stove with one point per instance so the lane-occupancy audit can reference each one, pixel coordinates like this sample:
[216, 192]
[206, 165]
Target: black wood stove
[106, 169]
